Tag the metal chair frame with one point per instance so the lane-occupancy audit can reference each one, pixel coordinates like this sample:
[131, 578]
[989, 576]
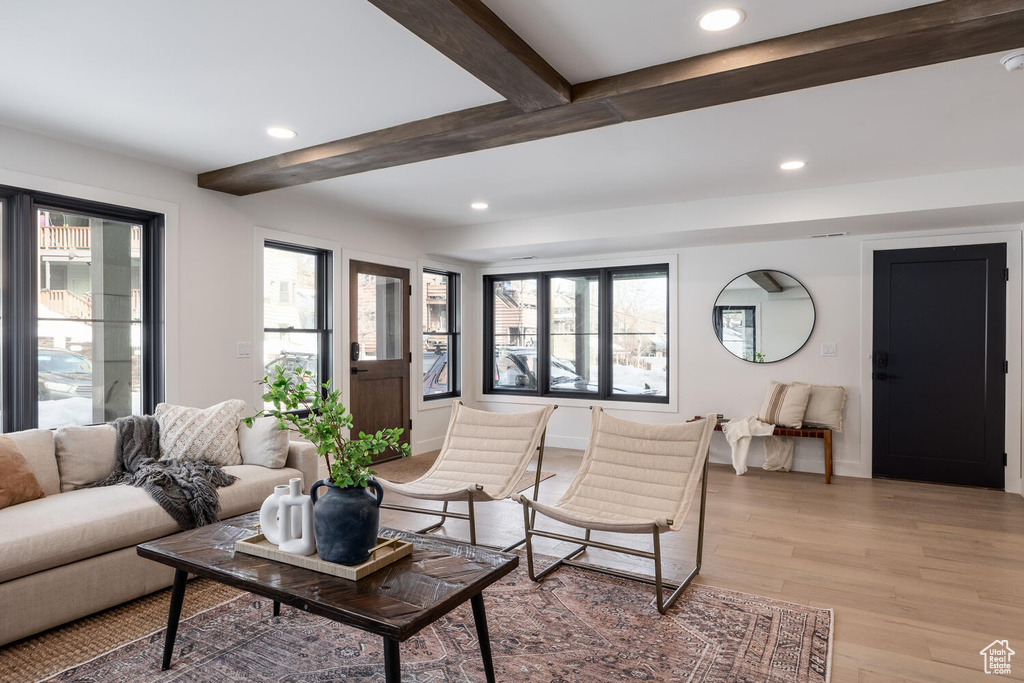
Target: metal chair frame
[657, 581]
[444, 513]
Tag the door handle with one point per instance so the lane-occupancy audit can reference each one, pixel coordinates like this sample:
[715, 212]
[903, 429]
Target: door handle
[356, 371]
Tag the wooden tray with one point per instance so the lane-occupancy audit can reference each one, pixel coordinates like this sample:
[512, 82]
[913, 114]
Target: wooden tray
[387, 551]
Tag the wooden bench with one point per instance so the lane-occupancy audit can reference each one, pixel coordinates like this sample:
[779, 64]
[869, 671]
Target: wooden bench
[806, 432]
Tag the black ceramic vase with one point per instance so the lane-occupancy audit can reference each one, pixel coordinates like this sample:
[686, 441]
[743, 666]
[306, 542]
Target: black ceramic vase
[345, 521]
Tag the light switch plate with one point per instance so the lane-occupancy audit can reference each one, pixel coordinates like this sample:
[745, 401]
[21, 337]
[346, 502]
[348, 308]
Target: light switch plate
[244, 350]
[829, 350]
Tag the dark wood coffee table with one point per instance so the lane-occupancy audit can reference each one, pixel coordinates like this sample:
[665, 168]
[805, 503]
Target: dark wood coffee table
[394, 602]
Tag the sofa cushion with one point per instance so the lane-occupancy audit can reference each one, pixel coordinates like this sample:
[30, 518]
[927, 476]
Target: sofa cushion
[264, 443]
[84, 454]
[17, 482]
[201, 433]
[254, 484]
[72, 526]
[37, 447]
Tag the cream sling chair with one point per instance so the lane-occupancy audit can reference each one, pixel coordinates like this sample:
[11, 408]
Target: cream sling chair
[635, 479]
[483, 457]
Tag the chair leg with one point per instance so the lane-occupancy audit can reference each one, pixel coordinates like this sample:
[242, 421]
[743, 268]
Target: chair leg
[537, 576]
[438, 525]
[663, 605]
[472, 520]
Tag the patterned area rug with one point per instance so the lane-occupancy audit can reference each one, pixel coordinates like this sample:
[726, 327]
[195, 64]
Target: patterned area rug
[575, 626]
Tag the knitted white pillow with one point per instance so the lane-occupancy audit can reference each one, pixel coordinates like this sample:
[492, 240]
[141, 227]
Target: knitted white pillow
[201, 433]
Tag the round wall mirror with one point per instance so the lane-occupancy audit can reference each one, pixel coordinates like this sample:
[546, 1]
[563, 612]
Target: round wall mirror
[763, 316]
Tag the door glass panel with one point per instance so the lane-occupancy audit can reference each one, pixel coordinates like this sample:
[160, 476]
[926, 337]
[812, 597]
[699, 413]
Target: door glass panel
[89, 323]
[574, 341]
[379, 317]
[640, 334]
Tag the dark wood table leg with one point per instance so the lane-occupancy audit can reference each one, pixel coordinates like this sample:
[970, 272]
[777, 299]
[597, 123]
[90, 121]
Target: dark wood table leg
[177, 599]
[392, 662]
[277, 608]
[480, 617]
[828, 456]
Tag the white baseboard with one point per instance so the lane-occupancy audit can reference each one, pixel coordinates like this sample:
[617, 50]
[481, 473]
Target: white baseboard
[427, 445]
[576, 442]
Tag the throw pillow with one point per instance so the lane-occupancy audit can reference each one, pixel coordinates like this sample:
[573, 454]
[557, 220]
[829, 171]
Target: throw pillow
[784, 405]
[17, 483]
[263, 444]
[209, 434]
[825, 409]
[85, 454]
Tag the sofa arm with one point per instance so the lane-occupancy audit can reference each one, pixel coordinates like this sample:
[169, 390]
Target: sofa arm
[302, 457]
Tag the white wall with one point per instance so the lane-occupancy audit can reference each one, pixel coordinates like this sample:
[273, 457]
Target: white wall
[210, 253]
[712, 380]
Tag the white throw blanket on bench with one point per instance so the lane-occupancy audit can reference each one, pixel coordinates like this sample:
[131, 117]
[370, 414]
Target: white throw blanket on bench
[778, 450]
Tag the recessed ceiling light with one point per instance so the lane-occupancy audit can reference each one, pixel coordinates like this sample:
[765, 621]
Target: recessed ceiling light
[794, 165]
[479, 206]
[721, 19]
[283, 133]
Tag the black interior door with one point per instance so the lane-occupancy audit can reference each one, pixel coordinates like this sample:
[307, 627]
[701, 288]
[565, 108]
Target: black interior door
[939, 381]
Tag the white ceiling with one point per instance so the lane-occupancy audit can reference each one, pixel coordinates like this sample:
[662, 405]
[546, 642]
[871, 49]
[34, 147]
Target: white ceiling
[192, 84]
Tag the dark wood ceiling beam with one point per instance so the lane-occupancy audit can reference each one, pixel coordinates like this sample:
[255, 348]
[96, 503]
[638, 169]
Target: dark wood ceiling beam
[475, 38]
[469, 130]
[929, 34]
[919, 36]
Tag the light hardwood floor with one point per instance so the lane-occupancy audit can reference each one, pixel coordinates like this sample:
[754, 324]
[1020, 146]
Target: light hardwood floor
[921, 577]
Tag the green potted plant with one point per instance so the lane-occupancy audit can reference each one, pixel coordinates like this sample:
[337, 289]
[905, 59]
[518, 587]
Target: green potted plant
[346, 518]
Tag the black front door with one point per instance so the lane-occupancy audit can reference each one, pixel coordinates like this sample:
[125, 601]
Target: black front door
[938, 378]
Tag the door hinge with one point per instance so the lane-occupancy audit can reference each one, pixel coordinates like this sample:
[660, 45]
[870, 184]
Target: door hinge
[1006, 367]
[410, 424]
[1006, 274]
[1004, 459]
[410, 290]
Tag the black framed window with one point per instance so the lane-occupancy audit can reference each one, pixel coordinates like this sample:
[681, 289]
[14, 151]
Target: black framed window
[736, 326]
[440, 334]
[81, 334]
[597, 333]
[297, 309]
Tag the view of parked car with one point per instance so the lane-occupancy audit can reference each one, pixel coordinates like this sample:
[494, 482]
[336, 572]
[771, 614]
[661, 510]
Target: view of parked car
[63, 374]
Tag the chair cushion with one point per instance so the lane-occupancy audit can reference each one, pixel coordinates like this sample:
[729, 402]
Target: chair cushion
[37, 447]
[85, 454]
[76, 525]
[17, 482]
[264, 443]
[634, 476]
[485, 452]
[201, 433]
[785, 405]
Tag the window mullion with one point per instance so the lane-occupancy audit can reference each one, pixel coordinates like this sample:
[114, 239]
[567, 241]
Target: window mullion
[543, 334]
[605, 344]
[20, 333]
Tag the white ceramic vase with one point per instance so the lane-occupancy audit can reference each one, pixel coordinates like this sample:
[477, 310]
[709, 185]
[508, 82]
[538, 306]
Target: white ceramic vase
[294, 507]
[270, 522]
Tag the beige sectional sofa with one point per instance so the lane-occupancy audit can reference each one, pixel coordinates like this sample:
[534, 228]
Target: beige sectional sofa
[72, 553]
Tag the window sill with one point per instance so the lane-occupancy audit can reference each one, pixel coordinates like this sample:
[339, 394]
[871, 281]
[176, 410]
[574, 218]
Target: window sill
[582, 402]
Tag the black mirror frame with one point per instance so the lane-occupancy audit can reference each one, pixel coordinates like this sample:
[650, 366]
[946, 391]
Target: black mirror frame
[717, 331]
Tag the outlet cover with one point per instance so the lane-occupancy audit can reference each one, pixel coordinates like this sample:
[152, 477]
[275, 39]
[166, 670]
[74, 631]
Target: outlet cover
[829, 350]
[244, 350]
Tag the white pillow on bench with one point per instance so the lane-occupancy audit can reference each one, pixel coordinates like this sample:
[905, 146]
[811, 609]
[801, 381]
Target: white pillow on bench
[825, 409]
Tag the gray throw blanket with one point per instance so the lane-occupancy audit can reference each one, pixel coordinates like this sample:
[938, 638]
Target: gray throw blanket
[186, 489]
